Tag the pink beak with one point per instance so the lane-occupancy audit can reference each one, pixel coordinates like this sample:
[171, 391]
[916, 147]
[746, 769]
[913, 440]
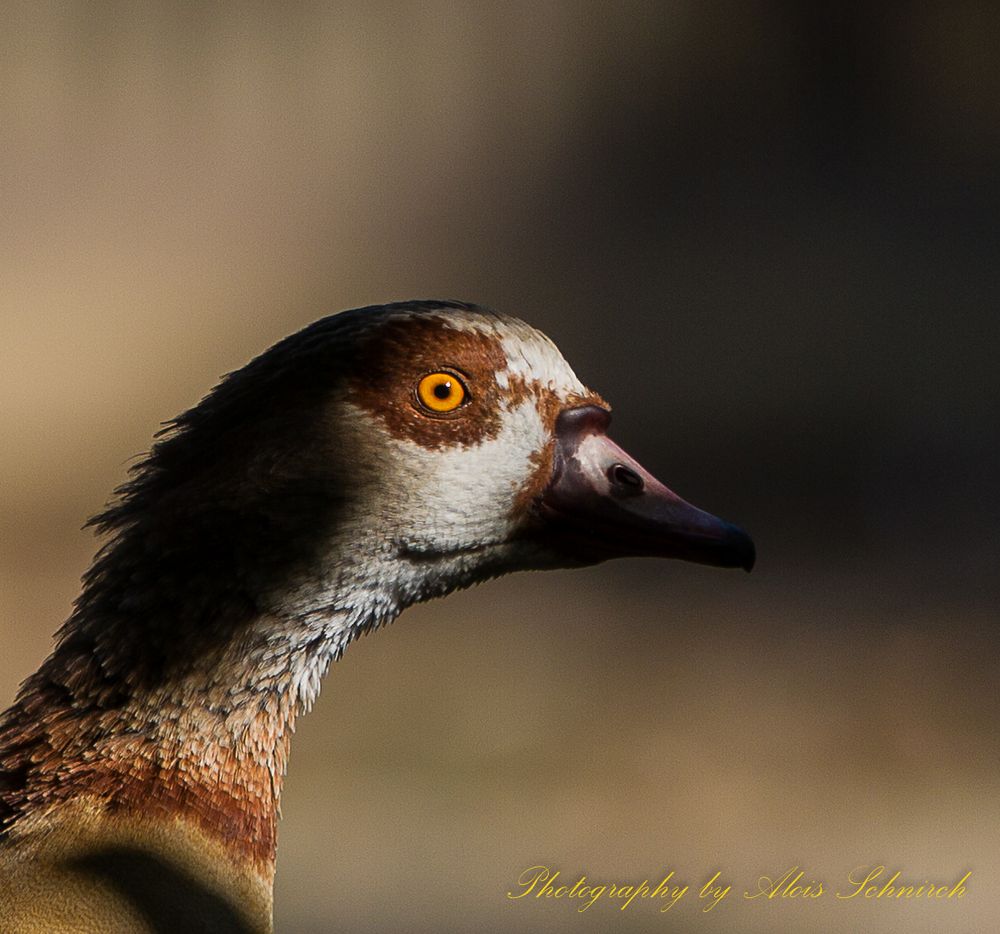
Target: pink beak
[601, 503]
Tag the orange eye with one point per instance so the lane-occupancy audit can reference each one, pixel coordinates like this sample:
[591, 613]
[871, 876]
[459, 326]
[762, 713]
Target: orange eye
[441, 392]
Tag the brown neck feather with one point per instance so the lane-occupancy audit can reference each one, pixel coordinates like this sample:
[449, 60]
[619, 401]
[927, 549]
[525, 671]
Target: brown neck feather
[209, 747]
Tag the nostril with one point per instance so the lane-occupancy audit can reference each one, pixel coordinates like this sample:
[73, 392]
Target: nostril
[626, 477]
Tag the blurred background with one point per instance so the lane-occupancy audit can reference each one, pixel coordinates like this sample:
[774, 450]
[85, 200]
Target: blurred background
[766, 232]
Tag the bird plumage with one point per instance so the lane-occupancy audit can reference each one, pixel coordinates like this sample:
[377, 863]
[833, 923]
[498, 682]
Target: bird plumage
[310, 497]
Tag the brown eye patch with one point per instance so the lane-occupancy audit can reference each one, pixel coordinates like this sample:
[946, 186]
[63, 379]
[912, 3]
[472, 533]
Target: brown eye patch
[401, 353]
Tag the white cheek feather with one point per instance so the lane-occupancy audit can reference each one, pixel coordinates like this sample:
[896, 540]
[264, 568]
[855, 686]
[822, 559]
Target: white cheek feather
[461, 497]
[452, 503]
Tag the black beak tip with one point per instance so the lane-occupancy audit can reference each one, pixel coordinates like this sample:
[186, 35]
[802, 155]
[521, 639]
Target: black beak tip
[743, 548]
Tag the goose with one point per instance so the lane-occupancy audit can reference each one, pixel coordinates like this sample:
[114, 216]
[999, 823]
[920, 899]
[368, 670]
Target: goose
[379, 457]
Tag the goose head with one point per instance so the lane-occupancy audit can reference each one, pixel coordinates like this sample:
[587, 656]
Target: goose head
[459, 444]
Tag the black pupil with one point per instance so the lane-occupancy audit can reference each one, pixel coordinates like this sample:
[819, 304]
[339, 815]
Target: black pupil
[443, 390]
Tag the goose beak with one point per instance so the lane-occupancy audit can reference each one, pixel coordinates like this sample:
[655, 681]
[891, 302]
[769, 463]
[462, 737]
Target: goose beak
[601, 503]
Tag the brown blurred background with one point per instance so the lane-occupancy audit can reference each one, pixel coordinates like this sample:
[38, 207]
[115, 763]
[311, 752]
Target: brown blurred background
[765, 231]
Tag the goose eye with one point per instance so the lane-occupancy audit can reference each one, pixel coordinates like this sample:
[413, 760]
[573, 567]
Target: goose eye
[441, 392]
